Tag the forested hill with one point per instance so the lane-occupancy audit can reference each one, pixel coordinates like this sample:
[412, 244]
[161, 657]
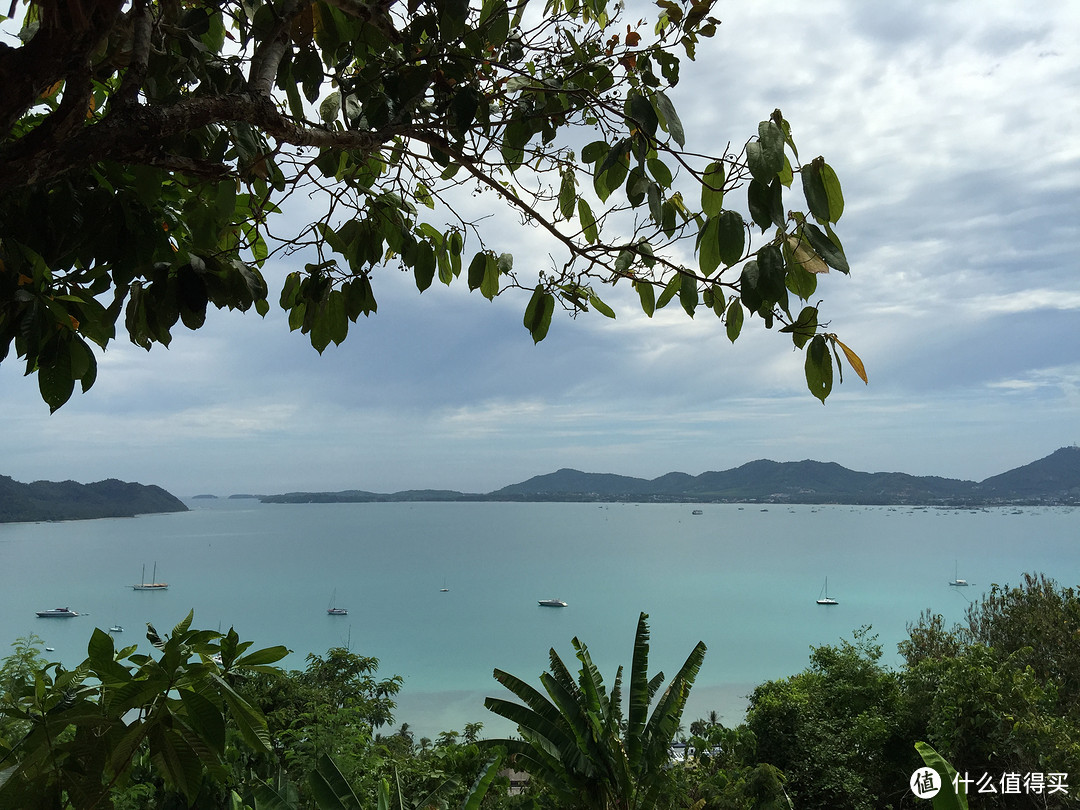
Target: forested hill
[69, 500]
[1051, 480]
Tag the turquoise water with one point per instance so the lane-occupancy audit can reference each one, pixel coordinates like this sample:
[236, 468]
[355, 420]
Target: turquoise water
[743, 579]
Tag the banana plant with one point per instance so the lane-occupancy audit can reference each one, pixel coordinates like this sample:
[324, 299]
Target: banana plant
[576, 740]
[949, 797]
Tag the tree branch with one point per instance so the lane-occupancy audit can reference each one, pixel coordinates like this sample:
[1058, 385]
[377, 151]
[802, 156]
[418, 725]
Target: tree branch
[142, 23]
[69, 33]
[139, 132]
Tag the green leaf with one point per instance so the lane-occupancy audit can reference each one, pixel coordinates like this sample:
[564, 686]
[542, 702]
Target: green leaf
[495, 20]
[766, 203]
[647, 297]
[55, 382]
[477, 269]
[267, 655]
[829, 250]
[174, 759]
[515, 137]
[730, 237]
[749, 293]
[588, 221]
[538, 313]
[601, 307]
[734, 320]
[772, 276]
[765, 156]
[672, 289]
[833, 192]
[206, 719]
[483, 782]
[819, 370]
[660, 172]
[817, 199]
[337, 319]
[709, 247]
[612, 170]
[463, 106]
[567, 195]
[330, 107]
[330, 788]
[641, 112]
[947, 798]
[424, 265]
[688, 293]
[712, 189]
[594, 151]
[669, 119]
[489, 287]
[100, 650]
[800, 281]
[803, 328]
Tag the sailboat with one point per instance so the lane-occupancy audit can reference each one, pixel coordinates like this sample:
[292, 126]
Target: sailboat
[962, 583]
[332, 609]
[153, 585]
[823, 597]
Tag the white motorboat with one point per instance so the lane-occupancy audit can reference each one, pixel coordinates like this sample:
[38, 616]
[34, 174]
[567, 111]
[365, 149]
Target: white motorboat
[57, 613]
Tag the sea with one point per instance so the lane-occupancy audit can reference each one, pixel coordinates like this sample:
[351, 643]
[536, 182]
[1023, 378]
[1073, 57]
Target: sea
[444, 593]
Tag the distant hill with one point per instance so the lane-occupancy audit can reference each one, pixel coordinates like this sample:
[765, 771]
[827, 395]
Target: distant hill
[789, 482]
[69, 500]
[1052, 480]
[1056, 476]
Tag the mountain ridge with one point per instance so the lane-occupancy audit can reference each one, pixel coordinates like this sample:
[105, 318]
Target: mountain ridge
[1052, 480]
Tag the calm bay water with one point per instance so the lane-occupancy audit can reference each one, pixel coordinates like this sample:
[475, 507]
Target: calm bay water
[741, 578]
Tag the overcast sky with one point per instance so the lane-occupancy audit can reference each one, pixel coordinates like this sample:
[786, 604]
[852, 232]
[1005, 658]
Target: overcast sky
[953, 128]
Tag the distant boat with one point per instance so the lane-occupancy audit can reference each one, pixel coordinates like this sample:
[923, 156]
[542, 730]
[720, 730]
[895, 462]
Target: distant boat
[50, 649]
[961, 583]
[444, 589]
[551, 603]
[332, 609]
[153, 585]
[697, 512]
[57, 613]
[116, 629]
[823, 597]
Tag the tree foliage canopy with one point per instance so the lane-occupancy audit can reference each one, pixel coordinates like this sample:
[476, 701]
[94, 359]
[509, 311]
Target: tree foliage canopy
[147, 145]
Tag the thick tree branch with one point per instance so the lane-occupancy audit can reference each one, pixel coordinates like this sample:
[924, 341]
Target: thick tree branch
[142, 25]
[70, 31]
[138, 133]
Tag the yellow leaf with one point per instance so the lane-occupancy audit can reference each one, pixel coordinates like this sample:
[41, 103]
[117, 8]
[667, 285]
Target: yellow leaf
[805, 255]
[856, 363]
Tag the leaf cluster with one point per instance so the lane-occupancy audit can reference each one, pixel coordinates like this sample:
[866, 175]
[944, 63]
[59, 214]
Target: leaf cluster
[86, 726]
[147, 152]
